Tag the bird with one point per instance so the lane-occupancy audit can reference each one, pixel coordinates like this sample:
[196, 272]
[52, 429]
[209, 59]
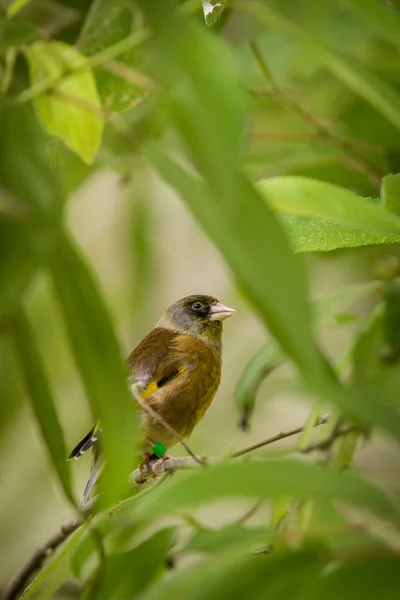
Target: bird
[176, 370]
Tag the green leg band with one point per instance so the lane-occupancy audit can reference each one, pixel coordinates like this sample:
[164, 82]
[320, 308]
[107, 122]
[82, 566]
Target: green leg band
[159, 450]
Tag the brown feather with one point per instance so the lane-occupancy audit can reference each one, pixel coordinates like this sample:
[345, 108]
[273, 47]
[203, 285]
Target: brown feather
[182, 373]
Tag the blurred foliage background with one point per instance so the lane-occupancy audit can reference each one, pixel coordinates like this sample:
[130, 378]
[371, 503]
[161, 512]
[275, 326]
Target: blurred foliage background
[133, 136]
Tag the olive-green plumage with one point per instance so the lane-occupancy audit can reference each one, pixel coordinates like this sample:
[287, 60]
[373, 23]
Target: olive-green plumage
[177, 368]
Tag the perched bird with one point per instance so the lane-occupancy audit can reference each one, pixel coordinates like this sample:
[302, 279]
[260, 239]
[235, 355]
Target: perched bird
[176, 369]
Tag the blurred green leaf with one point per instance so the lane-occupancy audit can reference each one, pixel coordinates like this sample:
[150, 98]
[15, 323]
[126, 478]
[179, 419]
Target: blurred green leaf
[264, 478]
[18, 262]
[56, 572]
[355, 75]
[318, 199]
[42, 401]
[382, 17]
[86, 545]
[214, 541]
[106, 23]
[125, 575]
[364, 578]
[232, 578]
[390, 352]
[16, 32]
[72, 109]
[15, 6]
[326, 309]
[98, 357]
[264, 361]
[144, 272]
[390, 193]
[24, 167]
[29, 203]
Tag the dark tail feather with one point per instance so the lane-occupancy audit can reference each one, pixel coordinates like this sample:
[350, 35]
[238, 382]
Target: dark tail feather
[87, 442]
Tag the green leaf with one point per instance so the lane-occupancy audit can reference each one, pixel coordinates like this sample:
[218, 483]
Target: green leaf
[42, 401]
[98, 357]
[106, 23]
[72, 109]
[366, 578]
[55, 572]
[213, 10]
[390, 193]
[318, 199]
[308, 234]
[124, 575]
[352, 73]
[264, 478]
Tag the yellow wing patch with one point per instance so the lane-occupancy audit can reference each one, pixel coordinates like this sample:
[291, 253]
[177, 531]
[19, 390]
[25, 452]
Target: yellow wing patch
[153, 386]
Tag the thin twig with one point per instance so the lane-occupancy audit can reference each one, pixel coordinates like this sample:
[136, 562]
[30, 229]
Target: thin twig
[327, 443]
[275, 438]
[318, 136]
[249, 513]
[150, 411]
[345, 146]
[130, 75]
[91, 108]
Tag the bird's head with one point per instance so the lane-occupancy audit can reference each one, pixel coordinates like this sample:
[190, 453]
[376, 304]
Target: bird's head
[199, 316]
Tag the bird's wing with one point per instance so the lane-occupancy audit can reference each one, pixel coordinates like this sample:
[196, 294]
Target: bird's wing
[161, 357]
[157, 360]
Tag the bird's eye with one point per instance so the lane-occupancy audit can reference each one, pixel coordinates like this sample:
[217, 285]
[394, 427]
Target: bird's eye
[197, 305]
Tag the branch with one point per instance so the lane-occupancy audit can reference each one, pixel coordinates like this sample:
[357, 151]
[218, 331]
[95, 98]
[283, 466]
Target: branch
[130, 75]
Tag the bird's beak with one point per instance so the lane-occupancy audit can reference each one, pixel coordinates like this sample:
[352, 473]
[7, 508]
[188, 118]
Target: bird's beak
[219, 312]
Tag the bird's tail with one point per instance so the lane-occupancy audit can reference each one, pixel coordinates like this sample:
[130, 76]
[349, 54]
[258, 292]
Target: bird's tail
[95, 471]
[90, 441]
[87, 442]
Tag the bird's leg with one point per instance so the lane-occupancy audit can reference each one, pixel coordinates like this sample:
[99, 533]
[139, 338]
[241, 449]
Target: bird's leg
[144, 465]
